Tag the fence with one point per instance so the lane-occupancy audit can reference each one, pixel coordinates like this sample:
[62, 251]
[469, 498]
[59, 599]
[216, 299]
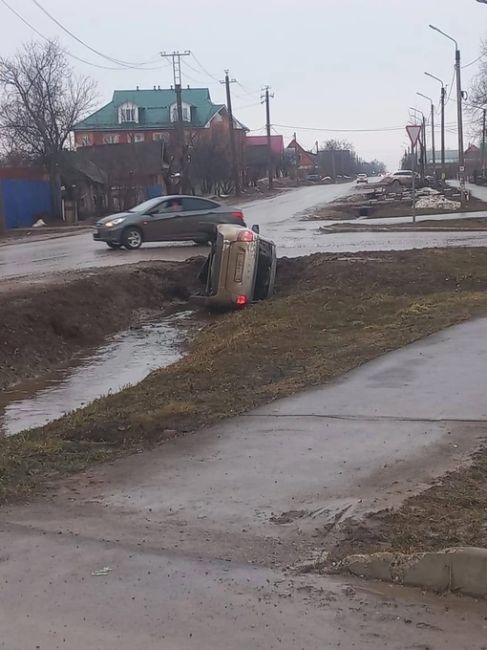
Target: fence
[23, 201]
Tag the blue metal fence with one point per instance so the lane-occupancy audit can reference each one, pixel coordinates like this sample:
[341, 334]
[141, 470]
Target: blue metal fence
[24, 201]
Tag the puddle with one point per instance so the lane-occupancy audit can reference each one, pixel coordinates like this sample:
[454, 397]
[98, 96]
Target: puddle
[126, 359]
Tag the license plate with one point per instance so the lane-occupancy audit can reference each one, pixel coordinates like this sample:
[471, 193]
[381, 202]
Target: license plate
[239, 267]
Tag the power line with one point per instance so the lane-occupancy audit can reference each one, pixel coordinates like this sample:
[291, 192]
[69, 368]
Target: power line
[126, 64]
[197, 81]
[73, 56]
[473, 62]
[212, 76]
[310, 128]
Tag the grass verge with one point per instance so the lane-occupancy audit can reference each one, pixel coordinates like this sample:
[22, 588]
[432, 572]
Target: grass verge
[452, 512]
[330, 314]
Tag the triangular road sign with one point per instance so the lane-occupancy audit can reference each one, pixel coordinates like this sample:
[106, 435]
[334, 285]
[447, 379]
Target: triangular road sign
[414, 131]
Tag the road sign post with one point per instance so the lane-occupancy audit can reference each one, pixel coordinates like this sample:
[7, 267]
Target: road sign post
[414, 131]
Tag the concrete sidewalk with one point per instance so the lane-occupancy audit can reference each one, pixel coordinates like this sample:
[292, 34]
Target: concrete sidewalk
[199, 532]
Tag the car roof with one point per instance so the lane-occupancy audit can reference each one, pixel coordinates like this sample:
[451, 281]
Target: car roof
[168, 197]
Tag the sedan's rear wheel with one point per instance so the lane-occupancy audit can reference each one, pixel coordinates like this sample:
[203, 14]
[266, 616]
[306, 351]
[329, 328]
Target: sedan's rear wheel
[132, 238]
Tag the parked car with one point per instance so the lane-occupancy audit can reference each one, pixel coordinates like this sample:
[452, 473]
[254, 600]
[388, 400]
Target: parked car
[165, 218]
[362, 178]
[240, 268]
[313, 178]
[403, 178]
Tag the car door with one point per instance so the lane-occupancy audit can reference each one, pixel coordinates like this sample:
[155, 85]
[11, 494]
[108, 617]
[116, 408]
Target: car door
[198, 215]
[164, 222]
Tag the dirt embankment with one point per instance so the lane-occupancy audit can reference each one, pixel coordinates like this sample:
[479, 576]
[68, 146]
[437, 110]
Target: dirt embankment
[42, 327]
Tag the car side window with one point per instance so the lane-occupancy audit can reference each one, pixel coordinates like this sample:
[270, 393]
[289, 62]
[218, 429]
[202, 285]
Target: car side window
[193, 203]
[171, 205]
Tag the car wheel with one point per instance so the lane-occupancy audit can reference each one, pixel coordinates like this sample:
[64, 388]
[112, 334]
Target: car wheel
[132, 238]
[201, 242]
[113, 245]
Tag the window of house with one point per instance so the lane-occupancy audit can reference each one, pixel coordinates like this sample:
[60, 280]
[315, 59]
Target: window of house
[159, 136]
[110, 139]
[139, 137]
[128, 113]
[186, 113]
[85, 141]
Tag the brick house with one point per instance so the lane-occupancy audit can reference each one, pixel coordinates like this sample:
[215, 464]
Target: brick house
[151, 115]
[305, 161]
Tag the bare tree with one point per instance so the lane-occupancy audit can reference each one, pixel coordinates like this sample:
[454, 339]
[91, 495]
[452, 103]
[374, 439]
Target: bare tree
[41, 101]
[337, 145]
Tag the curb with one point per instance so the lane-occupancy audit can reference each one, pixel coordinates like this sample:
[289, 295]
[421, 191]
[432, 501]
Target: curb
[462, 570]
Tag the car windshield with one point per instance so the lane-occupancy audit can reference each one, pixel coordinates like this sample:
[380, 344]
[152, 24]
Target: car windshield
[146, 206]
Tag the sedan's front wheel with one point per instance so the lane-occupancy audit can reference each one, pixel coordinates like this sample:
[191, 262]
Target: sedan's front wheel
[132, 238]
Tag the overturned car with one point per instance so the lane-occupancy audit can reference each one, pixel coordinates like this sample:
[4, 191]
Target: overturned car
[240, 269]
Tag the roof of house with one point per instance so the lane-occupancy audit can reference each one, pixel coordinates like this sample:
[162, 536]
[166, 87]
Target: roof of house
[277, 142]
[154, 109]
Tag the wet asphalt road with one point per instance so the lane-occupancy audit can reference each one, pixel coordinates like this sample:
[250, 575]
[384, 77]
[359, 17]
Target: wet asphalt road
[278, 217]
[202, 535]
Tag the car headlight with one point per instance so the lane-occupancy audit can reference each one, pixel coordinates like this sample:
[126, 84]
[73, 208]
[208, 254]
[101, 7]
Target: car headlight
[114, 222]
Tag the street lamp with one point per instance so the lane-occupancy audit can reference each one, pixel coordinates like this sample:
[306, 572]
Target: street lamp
[461, 156]
[432, 128]
[443, 95]
[422, 141]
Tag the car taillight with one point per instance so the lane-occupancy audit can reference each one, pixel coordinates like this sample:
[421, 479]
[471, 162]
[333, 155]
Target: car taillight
[238, 214]
[241, 300]
[245, 235]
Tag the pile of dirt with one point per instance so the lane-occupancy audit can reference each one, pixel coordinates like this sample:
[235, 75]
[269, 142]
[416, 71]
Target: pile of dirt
[43, 327]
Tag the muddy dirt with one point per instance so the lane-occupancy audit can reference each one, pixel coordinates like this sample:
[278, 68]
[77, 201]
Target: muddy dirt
[44, 326]
[357, 206]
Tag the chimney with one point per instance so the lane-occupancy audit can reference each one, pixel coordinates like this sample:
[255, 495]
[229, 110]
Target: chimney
[158, 87]
[137, 88]
[154, 88]
[188, 86]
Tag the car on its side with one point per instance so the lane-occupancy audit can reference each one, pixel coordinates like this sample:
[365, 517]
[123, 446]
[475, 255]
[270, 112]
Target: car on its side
[240, 269]
[362, 178]
[177, 217]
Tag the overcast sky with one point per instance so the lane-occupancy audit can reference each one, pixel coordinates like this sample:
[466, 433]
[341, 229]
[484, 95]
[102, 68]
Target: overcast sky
[332, 64]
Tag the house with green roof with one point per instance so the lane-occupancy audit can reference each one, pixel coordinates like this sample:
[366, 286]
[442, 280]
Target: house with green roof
[151, 115]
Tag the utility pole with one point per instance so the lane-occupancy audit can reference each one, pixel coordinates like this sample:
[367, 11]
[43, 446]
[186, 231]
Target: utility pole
[235, 165]
[176, 66]
[432, 130]
[266, 99]
[484, 115]
[461, 154]
[443, 95]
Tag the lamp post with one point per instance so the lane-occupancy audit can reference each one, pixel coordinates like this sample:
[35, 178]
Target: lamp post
[432, 129]
[422, 140]
[461, 155]
[443, 95]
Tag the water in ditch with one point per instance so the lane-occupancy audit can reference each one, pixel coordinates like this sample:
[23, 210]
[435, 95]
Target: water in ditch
[126, 359]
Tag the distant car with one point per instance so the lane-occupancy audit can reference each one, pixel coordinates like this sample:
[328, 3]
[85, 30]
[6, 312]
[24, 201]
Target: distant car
[165, 218]
[327, 179]
[402, 178]
[362, 178]
[240, 268]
